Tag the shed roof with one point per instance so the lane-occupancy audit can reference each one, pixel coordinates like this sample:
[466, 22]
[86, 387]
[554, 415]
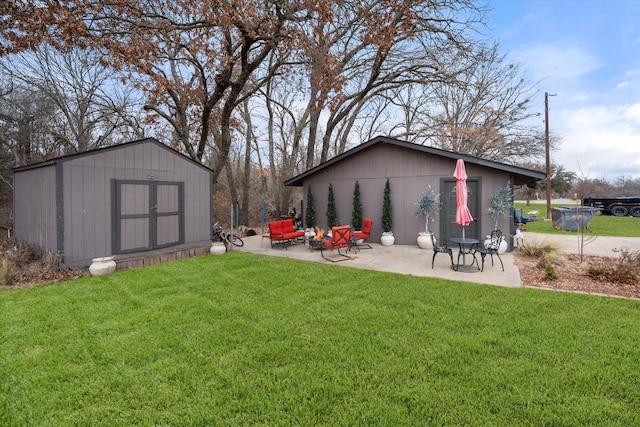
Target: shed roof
[103, 149]
[521, 176]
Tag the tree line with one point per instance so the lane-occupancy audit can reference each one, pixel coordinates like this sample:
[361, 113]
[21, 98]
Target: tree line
[258, 91]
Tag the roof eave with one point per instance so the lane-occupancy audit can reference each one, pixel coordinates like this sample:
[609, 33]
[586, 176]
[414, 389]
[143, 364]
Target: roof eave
[527, 175]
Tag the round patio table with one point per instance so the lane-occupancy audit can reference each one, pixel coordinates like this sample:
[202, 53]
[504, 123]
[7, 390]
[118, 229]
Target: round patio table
[465, 246]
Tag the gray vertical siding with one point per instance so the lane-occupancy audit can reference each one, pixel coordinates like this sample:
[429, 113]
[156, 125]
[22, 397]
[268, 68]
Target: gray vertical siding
[86, 204]
[34, 205]
[410, 173]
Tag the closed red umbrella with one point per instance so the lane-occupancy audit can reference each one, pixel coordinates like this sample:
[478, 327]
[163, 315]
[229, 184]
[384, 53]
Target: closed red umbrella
[463, 216]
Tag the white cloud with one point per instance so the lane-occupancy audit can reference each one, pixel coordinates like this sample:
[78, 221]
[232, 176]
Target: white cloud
[561, 63]
[592, 63]
[601, 141]
[632, 113]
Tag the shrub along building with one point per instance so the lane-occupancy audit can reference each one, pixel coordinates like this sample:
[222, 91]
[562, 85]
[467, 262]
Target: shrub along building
[411, 169]
[126, 200]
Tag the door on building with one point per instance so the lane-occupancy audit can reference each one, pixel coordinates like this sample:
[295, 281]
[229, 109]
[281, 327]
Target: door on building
[448, 226]
[147, 215]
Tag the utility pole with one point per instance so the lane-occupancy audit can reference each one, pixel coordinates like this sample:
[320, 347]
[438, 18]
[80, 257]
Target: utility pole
[547, 149]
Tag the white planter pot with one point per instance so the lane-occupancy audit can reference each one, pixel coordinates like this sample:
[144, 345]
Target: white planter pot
[424, 241]
[102, 266]
[217, 248]
[503, 245]
[387, 239]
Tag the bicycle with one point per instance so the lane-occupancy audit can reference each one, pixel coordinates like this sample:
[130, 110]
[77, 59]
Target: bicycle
[218, 235]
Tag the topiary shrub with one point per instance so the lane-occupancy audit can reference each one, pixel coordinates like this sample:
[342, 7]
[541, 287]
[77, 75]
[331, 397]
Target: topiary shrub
[332, 214]
[310, 213]
[356, 213]
[387, 209]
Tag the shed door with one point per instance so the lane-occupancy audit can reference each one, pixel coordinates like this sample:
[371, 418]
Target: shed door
[451, 229]
[147, 215]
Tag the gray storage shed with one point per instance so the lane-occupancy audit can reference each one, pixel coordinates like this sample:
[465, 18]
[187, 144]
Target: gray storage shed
[124, 199]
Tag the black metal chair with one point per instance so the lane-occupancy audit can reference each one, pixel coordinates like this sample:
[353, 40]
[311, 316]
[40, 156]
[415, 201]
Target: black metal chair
[490, 249]
[440, 249]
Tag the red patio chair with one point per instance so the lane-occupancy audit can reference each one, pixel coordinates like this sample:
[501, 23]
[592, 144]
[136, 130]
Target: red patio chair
[340, 238]
[364, 234]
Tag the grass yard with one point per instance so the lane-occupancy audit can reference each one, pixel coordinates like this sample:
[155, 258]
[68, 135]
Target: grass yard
[243, 339]
[600, 225]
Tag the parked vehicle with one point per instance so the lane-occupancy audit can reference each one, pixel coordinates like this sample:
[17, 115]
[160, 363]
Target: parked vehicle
[619, 206]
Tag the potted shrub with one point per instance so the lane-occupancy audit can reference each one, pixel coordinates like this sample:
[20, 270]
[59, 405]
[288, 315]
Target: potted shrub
[387, 238]
[428, 205]
[501, 205]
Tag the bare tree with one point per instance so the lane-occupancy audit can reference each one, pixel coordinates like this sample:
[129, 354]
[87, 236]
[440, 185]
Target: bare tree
[90, 107]
[26, 116]
[484, 112]
[196, 60]
[627, 185]
[286, 128]
[409, 43]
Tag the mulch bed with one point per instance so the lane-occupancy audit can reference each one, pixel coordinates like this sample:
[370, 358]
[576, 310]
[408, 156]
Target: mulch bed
[572, 276]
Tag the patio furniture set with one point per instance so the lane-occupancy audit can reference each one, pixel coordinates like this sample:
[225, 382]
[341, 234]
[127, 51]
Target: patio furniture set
[282, 233]
[469, 247]
[344, 239]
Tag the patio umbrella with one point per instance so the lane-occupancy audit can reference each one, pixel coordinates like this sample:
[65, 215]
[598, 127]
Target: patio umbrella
[463, 216]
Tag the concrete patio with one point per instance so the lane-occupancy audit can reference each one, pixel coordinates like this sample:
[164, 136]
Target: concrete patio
[410, 259]
[403, 259]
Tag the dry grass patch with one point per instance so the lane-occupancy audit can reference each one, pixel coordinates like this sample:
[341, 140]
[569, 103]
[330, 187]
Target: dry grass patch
[25, 264]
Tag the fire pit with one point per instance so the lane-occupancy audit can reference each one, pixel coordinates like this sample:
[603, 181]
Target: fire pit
[315, 242]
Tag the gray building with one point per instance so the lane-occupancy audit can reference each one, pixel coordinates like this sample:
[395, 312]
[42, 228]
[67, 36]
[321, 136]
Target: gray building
[411, 169]
[124, 199]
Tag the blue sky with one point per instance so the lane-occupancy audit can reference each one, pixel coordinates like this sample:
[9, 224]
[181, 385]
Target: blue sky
[587, 53]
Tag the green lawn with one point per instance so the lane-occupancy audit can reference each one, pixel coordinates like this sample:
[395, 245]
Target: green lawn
[243, 339]
[600, 225]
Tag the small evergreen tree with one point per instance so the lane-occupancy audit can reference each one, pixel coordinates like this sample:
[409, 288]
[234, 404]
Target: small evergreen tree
[387, 209]
[332, 215]
[356, 214]
[310, 214]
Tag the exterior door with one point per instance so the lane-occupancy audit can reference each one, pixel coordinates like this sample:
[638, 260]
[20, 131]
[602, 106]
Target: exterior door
[448, 226]
[147, 215]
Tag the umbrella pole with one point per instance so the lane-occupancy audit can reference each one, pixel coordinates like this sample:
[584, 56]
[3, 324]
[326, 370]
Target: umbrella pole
[464, 253]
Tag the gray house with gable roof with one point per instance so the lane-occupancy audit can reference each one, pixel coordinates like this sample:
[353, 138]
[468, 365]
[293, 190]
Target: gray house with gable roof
[411, 169]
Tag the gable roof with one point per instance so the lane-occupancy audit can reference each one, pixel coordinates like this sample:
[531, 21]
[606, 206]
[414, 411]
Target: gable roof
[108, 148]
[521, 176]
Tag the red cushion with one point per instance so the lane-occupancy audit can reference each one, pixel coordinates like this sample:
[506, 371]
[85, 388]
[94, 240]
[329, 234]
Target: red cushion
[366, 230]
[283, 230]
[340, 237]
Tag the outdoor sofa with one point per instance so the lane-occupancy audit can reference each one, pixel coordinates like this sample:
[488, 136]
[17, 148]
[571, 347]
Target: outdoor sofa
[283, 232]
